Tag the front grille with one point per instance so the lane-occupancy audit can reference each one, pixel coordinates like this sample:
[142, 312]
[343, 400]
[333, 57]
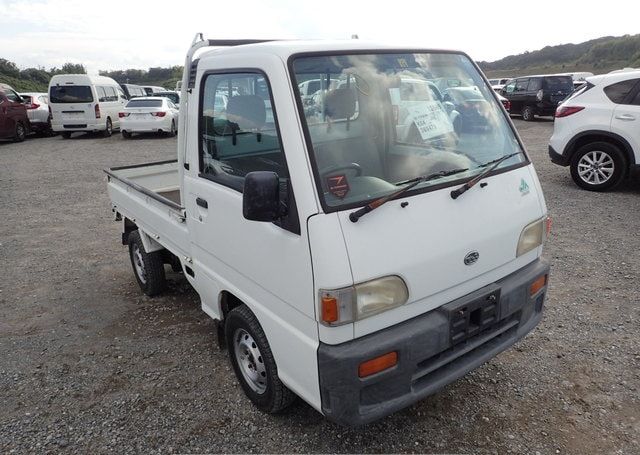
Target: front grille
[429, 369]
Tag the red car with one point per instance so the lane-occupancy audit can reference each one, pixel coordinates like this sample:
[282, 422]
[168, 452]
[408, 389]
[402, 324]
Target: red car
[14, 123]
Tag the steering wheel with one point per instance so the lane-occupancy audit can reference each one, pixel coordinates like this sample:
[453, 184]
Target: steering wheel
[339, 167]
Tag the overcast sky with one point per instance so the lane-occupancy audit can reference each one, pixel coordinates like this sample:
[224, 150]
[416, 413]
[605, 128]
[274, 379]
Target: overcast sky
[115, 34]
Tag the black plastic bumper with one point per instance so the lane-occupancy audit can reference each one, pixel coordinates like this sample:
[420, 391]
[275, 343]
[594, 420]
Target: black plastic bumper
[557, 158]
[431, 353]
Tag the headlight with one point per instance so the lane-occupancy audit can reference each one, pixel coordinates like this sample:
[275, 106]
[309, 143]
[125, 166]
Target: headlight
[341, 306]
[533, 235]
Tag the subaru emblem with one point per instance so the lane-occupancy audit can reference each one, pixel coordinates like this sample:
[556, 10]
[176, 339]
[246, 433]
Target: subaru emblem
[471, 258]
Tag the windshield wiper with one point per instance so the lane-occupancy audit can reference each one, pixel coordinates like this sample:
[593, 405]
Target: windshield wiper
[471, 183]
[355, 216]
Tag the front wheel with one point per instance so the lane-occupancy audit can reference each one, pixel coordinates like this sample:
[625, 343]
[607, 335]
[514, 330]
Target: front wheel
[598, 166]
[126, 134]
[20, 133]
[253, 362]
[528, 114]
[147, 267]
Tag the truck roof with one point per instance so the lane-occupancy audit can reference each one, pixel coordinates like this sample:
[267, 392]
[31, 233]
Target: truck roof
[286, 48]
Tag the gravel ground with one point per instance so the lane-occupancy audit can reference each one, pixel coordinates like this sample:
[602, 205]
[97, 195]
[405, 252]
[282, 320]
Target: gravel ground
[90, 365]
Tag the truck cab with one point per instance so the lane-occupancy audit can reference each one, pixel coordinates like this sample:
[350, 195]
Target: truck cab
[347, 264]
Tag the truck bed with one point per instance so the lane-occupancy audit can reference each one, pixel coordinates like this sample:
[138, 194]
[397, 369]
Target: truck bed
[149, 195]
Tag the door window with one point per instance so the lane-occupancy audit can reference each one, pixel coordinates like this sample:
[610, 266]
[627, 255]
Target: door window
[12, 96]
[620, 91]
[102, 96]
[535, 84]
[238, 130]
[521, 85]
[636, 100]
[509, 88]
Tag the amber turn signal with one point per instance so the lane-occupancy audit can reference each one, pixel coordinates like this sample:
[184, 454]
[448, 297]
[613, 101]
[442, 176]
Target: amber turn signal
[538, 284]
[329, 309]
[378, 364]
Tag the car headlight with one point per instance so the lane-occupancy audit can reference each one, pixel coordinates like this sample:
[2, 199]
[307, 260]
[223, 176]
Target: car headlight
[341, 306]
[533, 235]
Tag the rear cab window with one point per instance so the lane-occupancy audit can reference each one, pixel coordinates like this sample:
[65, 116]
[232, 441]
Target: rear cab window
[70, 94]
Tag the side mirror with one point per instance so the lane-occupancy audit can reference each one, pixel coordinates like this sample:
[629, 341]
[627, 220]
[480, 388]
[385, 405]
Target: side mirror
[261, 196]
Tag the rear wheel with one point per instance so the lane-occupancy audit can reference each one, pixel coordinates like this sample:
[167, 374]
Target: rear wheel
[109, 128]
[253, 362]
[147, 267]
[126, 135]
[597, 166]
[172, 131]
[20, 132]
[528, 114]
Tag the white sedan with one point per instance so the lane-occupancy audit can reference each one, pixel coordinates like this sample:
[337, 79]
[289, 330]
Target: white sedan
[151, 114]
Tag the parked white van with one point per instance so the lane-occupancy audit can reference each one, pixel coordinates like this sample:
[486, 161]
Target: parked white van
[82, 103]
[345, 265]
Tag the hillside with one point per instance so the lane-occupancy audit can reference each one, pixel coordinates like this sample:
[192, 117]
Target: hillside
[600, 55]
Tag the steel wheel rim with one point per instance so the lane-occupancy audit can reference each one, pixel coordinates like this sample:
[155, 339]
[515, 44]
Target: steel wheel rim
[138, 263]
[596, 167]
[250, 361]
[20, 131]
[109, 127]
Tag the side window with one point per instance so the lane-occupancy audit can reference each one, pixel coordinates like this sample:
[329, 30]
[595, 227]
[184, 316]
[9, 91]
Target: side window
[12, 96]
[238, 131]
[521, 85]
[509, 88]
[620, 91]
[535, 84]
[121, 93]
[102, 96]
[636, 100]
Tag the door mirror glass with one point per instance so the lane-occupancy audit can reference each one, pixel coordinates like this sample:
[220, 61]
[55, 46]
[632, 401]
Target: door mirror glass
[261, 196]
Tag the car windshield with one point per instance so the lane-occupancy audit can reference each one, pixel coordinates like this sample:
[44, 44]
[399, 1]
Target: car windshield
[144, 103]
[71, 94]
[559, 83]
[385, 118]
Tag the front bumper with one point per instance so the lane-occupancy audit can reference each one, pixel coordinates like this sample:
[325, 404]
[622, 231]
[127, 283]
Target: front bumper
[428, 360]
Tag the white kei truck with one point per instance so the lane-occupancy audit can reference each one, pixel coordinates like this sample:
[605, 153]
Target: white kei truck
[348, 266]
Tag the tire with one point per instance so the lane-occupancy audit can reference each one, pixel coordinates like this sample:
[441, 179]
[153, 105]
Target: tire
[172, 131]
[528, 114]
[109, 128]
[598, 166]
[66, 135]
[20, 133]
[248, 345]
[126, 135]
[147, 267]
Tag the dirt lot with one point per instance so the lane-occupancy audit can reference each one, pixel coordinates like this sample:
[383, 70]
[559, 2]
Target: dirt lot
[88, 364]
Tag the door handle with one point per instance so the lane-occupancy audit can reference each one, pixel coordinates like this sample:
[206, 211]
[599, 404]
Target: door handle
[202, 203]
[626, 117]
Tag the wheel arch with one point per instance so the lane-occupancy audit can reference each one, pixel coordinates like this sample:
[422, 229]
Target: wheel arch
[587, 137]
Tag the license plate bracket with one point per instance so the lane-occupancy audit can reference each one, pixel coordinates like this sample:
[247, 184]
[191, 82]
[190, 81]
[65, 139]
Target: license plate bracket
[469, 317]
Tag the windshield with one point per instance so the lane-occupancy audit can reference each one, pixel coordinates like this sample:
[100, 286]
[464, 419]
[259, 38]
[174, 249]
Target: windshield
[559, 83]
[382, 119]
[71, 94]
[144, 103]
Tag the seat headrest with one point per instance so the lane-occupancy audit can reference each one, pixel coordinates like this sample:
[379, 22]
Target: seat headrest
[340, 103]
[248, 111]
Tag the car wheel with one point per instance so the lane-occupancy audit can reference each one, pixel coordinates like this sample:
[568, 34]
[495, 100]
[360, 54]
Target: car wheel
[20, 132]
[172, 131]
[126, 134]
[528, 114]
[598, 166]
[253, 362]
[147, 267]
[109, 128]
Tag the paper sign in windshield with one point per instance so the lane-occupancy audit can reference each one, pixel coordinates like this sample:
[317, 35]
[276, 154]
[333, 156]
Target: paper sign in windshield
[338, 185]
[431, 119]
